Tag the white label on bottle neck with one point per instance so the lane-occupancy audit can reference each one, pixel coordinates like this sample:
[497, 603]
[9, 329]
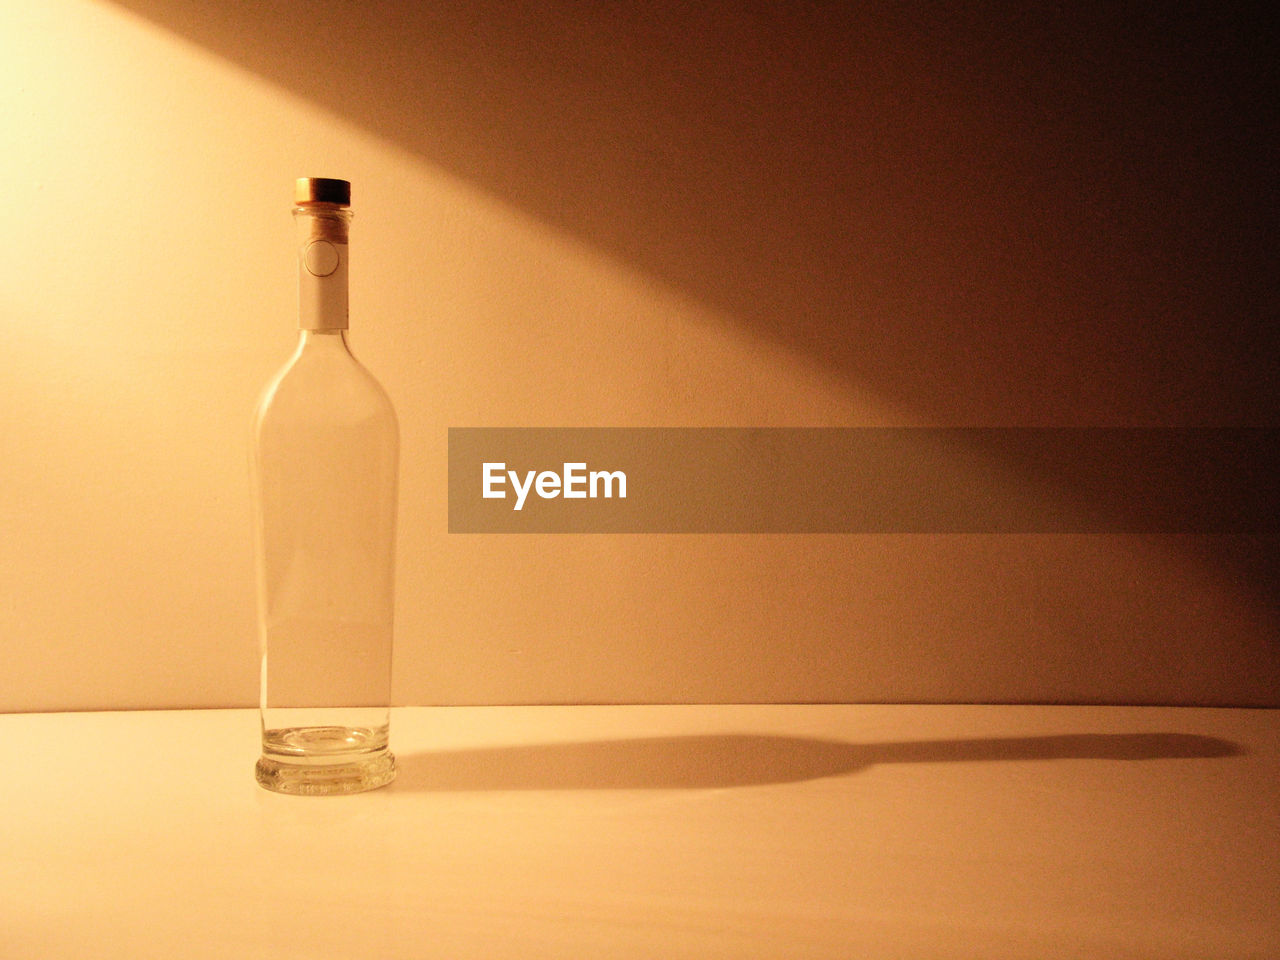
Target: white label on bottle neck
[322, 286]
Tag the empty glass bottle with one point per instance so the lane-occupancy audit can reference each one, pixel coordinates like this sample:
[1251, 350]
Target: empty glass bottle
[324, 463]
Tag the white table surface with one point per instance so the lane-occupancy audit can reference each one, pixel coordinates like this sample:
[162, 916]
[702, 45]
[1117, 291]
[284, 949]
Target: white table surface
[654, 832]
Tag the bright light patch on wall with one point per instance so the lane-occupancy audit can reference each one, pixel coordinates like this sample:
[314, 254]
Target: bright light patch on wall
[146, 292]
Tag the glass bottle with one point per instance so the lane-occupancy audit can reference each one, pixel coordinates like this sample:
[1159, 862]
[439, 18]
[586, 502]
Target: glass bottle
[324, 463]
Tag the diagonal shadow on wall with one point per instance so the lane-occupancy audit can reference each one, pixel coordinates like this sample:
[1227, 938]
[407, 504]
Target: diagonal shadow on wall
[991, 215]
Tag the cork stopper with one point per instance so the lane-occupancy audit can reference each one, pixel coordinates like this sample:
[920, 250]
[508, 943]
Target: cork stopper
[309, 190]
[323, 208]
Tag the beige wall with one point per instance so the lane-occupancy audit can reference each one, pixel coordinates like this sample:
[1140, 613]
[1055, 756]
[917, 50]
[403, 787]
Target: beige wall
[721, 215]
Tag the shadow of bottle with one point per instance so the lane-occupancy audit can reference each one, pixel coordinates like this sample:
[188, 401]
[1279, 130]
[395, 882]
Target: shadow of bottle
[739, 760]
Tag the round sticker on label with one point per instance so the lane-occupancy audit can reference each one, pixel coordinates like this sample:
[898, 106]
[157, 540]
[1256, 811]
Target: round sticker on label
[320, 258]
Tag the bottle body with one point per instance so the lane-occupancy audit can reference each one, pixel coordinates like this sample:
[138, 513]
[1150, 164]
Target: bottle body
[324, 458]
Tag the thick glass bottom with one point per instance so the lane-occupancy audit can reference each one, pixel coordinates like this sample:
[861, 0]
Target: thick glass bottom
[325, 760]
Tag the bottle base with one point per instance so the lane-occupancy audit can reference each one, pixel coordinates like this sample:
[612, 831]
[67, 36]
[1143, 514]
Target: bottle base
[328, 779]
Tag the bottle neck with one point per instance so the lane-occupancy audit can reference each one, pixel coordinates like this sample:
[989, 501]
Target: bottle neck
[314, 340]
[322, 266]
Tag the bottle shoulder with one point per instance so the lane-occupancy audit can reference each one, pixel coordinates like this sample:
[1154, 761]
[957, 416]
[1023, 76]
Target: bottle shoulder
[330, 384]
